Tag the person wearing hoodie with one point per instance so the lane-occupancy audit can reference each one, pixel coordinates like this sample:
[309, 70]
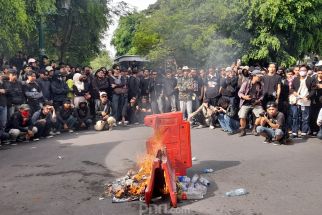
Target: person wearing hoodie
[80, 89]
[59, 90]
[33, 92]
[44, 120]
[66, 121]
[82, 114]
[20, 126]
[100, 84]
[44, 84]
[15, 96]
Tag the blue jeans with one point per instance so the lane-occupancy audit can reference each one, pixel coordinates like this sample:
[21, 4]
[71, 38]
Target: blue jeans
[271, 133]
[3, 117]
[227, 123]
[303, 112]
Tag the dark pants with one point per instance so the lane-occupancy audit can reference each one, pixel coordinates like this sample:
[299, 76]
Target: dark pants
[71, 123]
[87, 122]
[119, 106]
[43, 129]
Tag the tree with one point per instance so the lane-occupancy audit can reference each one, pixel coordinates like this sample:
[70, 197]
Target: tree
[123, 36]
[102, 60]
[218, 32]
[283, 31]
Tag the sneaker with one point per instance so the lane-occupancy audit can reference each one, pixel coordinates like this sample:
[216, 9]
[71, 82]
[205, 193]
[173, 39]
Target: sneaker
[199, 126]
[268, 140]
[49, 136]
[119, 123]
[303, 135]
[231, 132]
[254, 132]
[136, 123]
[276, 143]
[57, 132]
[52, 133]
[293, 135]
[242, 132]
[71, 131]
[126, 122]
[211, 127]
[35, 139]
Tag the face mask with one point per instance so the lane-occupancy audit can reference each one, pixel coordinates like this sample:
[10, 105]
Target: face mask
[25, 114]
[303, 73]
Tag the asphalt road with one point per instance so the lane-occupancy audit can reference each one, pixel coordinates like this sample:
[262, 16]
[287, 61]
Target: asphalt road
[280, 179]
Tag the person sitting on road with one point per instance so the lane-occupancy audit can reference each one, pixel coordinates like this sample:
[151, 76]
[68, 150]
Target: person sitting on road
[44, 120]
[144, 109]
[204, 115]
[133, 112]
[82, 114]
[227, 117]
[271, 124]
[66, 121]
[20, 127]
[104, 120]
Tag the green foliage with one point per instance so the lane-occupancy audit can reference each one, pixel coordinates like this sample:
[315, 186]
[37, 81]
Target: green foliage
[72, 34]
[219, 31]
[123, 36]
[102, 60]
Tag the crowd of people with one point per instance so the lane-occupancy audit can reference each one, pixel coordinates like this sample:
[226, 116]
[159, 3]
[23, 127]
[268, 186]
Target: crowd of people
[39, 99]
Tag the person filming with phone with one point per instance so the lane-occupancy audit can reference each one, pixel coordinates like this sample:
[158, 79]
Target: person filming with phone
[271, 124]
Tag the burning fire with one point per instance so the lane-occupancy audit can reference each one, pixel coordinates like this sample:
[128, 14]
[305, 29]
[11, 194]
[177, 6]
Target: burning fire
[134, 183]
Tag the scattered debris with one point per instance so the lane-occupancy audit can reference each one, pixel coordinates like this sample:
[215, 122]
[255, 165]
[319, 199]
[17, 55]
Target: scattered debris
[237, 192]
[60, 157]
[209, 170]
[101, 198]
[194, 159]
[34, 147]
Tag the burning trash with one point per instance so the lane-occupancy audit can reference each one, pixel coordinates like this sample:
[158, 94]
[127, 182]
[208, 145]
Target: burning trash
[132, 186]
[161, 172]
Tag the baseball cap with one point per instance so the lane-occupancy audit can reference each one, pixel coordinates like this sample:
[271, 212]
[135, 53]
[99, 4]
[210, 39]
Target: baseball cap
[103, 94]
[24, 106]
[185, 68]
[31, 60]
[49, 68]
[256, 72]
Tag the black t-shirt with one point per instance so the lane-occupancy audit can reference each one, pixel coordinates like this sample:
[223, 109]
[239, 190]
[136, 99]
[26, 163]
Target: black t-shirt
[213, 84]
[144, 85]
[270, 84]
[197, 84]
[278, 119]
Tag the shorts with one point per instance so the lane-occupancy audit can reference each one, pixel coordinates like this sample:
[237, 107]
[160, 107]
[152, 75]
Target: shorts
[244, 110]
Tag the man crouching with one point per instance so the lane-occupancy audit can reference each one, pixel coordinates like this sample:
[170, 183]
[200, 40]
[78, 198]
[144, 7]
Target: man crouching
[103, 114]
[272, 124]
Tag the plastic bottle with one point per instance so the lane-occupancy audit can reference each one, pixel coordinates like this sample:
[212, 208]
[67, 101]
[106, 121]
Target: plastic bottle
[237, 192]
[204, 181]
[201, 188]
[184, 179]
[208, 170]
[194, 179]
[195, 194]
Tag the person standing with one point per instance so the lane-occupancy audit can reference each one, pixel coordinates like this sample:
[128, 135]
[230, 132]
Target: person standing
[33, 92]
[251, 97]
[303, 89]
[185, 87]
[212, 87]
[272, 85]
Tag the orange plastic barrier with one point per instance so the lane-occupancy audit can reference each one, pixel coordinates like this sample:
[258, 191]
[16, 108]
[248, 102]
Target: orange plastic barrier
[172, 133]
